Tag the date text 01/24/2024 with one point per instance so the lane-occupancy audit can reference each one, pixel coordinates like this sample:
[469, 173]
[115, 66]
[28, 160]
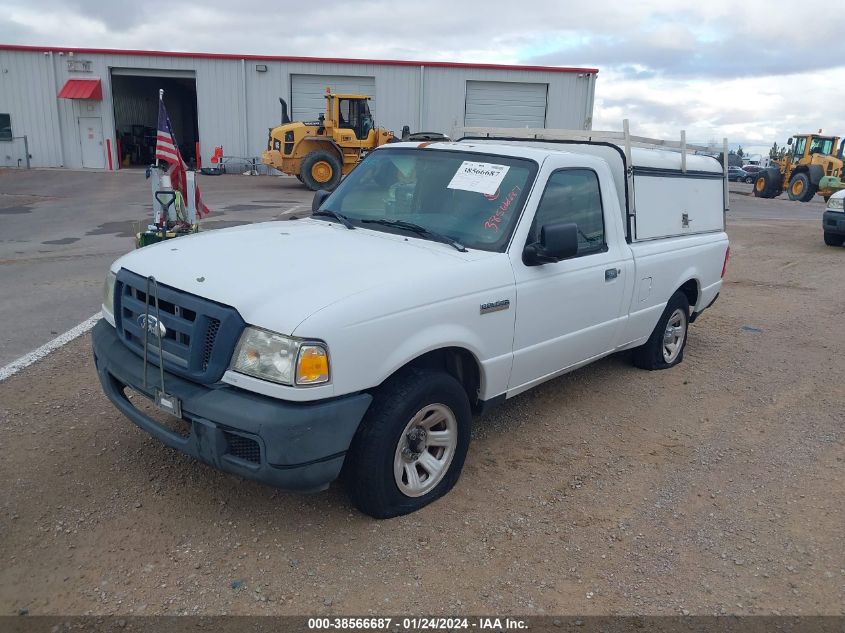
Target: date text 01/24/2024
[410, 624]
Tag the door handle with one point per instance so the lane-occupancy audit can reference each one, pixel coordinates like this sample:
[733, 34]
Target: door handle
[611, 273]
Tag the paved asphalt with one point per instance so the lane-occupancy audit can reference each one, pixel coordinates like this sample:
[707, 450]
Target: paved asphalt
[60, 230]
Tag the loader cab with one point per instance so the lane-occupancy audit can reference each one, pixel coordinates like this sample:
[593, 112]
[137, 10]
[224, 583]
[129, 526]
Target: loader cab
[805, 147]
[351, 112]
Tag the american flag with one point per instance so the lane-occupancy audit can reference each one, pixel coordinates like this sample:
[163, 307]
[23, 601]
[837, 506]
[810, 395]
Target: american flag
[168, 151]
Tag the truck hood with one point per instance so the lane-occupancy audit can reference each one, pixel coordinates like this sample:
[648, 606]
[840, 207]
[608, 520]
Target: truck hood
[277, 274]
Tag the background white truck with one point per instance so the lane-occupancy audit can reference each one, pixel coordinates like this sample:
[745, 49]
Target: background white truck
[437, 280]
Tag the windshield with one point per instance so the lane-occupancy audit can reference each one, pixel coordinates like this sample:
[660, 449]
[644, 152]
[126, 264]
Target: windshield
[474, 199]
[821, 146]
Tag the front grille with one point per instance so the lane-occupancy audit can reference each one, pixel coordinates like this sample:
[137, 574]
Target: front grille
[200, 334]
[208, 347]
[243, 448]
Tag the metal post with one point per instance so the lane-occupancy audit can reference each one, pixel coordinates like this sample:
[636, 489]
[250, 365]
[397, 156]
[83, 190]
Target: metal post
[26, 150]
[684, 151]
[160, 99]
[190, 185]
[725, 173]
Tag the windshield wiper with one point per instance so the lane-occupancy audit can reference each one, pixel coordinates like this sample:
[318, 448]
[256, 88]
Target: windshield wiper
[334, 214]
[420, 230]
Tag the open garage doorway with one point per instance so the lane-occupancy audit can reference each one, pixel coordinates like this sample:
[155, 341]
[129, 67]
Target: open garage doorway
[135, 98]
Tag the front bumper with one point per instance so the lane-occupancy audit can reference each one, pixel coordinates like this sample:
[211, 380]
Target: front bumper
[296, 446]
[834, 222]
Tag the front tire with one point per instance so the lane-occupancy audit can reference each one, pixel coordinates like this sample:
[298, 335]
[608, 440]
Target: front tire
[749, 179]
[410, 448]
[665, 346]
[320, 170]
[763, 186]
[832, 239]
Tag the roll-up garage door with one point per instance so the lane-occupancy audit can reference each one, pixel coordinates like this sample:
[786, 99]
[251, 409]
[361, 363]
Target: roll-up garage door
[505, 104]
[308, 93]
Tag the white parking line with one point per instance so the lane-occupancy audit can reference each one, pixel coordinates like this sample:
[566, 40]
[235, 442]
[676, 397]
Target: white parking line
[37, 354]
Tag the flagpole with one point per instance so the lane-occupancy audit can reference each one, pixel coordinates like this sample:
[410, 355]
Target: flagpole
[160, 99]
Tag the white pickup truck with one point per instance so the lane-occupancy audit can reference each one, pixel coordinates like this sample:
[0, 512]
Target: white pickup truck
[437, 280]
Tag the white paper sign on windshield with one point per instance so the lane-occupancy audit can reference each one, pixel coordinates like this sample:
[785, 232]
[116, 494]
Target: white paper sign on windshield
[479, 177]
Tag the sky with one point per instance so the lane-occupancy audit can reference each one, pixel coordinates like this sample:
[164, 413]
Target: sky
[755, 71]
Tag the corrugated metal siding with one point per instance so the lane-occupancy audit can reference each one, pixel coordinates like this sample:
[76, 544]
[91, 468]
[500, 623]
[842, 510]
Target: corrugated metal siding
[505, 104]
[28, 95]
[236, 104]
[445, 96]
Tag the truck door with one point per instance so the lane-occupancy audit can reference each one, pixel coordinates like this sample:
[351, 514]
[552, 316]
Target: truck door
[568, 312]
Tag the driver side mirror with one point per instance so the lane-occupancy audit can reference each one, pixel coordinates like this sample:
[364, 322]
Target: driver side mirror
[558, 240]
[319, 198]
[789, 141]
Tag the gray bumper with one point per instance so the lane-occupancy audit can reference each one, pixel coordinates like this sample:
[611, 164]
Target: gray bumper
[833, 222]
[297, 446]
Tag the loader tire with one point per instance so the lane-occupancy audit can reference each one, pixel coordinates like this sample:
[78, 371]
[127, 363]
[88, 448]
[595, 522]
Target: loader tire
[320, 170]
[800, 188]
[768, 184]
[762, 186]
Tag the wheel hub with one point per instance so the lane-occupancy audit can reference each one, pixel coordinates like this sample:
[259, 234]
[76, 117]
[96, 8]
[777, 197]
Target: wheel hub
[416, 444]
[673, 336]
[425, 450]
[321, 171]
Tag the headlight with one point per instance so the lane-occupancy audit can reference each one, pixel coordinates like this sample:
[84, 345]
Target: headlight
[108, 292]
[835, 204]
[282, 359]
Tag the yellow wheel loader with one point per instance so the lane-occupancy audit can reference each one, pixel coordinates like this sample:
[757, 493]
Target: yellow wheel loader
[810, 167]
[320, 152]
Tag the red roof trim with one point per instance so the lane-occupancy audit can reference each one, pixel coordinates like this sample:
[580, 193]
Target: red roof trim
[287, 58]
[82, 89]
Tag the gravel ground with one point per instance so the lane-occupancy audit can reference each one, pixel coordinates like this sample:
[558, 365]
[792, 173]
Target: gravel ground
[716, 487]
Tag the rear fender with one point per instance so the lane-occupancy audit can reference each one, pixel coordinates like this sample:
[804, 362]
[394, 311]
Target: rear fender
[311, 143]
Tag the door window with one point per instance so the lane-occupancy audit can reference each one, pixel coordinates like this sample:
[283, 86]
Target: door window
[573, 195]
[800, 144]
[5, 127]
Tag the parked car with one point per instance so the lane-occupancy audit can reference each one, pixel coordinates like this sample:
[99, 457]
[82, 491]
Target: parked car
[752, 171]
[436, 281]
[738, 174]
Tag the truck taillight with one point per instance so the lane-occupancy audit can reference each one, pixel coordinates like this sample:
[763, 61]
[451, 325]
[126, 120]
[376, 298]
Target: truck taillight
[725, 265]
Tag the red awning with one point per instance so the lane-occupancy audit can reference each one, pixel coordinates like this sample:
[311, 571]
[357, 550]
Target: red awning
[82, 89]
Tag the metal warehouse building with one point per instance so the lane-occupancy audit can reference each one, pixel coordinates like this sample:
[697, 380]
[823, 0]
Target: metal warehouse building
[97, 108]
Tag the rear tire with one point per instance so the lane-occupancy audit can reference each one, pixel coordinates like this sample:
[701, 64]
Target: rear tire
[800, 188]
[832, 239]
[320, 170]
[665, 346]
[392, 468]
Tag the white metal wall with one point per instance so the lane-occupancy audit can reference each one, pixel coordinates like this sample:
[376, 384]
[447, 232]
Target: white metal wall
[237, 103]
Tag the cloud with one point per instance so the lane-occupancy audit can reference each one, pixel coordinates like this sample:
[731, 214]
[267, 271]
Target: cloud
[742, 69]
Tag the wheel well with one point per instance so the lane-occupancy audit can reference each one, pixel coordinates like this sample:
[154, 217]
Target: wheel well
[690, 289]
[458, 363]
[325, 144]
